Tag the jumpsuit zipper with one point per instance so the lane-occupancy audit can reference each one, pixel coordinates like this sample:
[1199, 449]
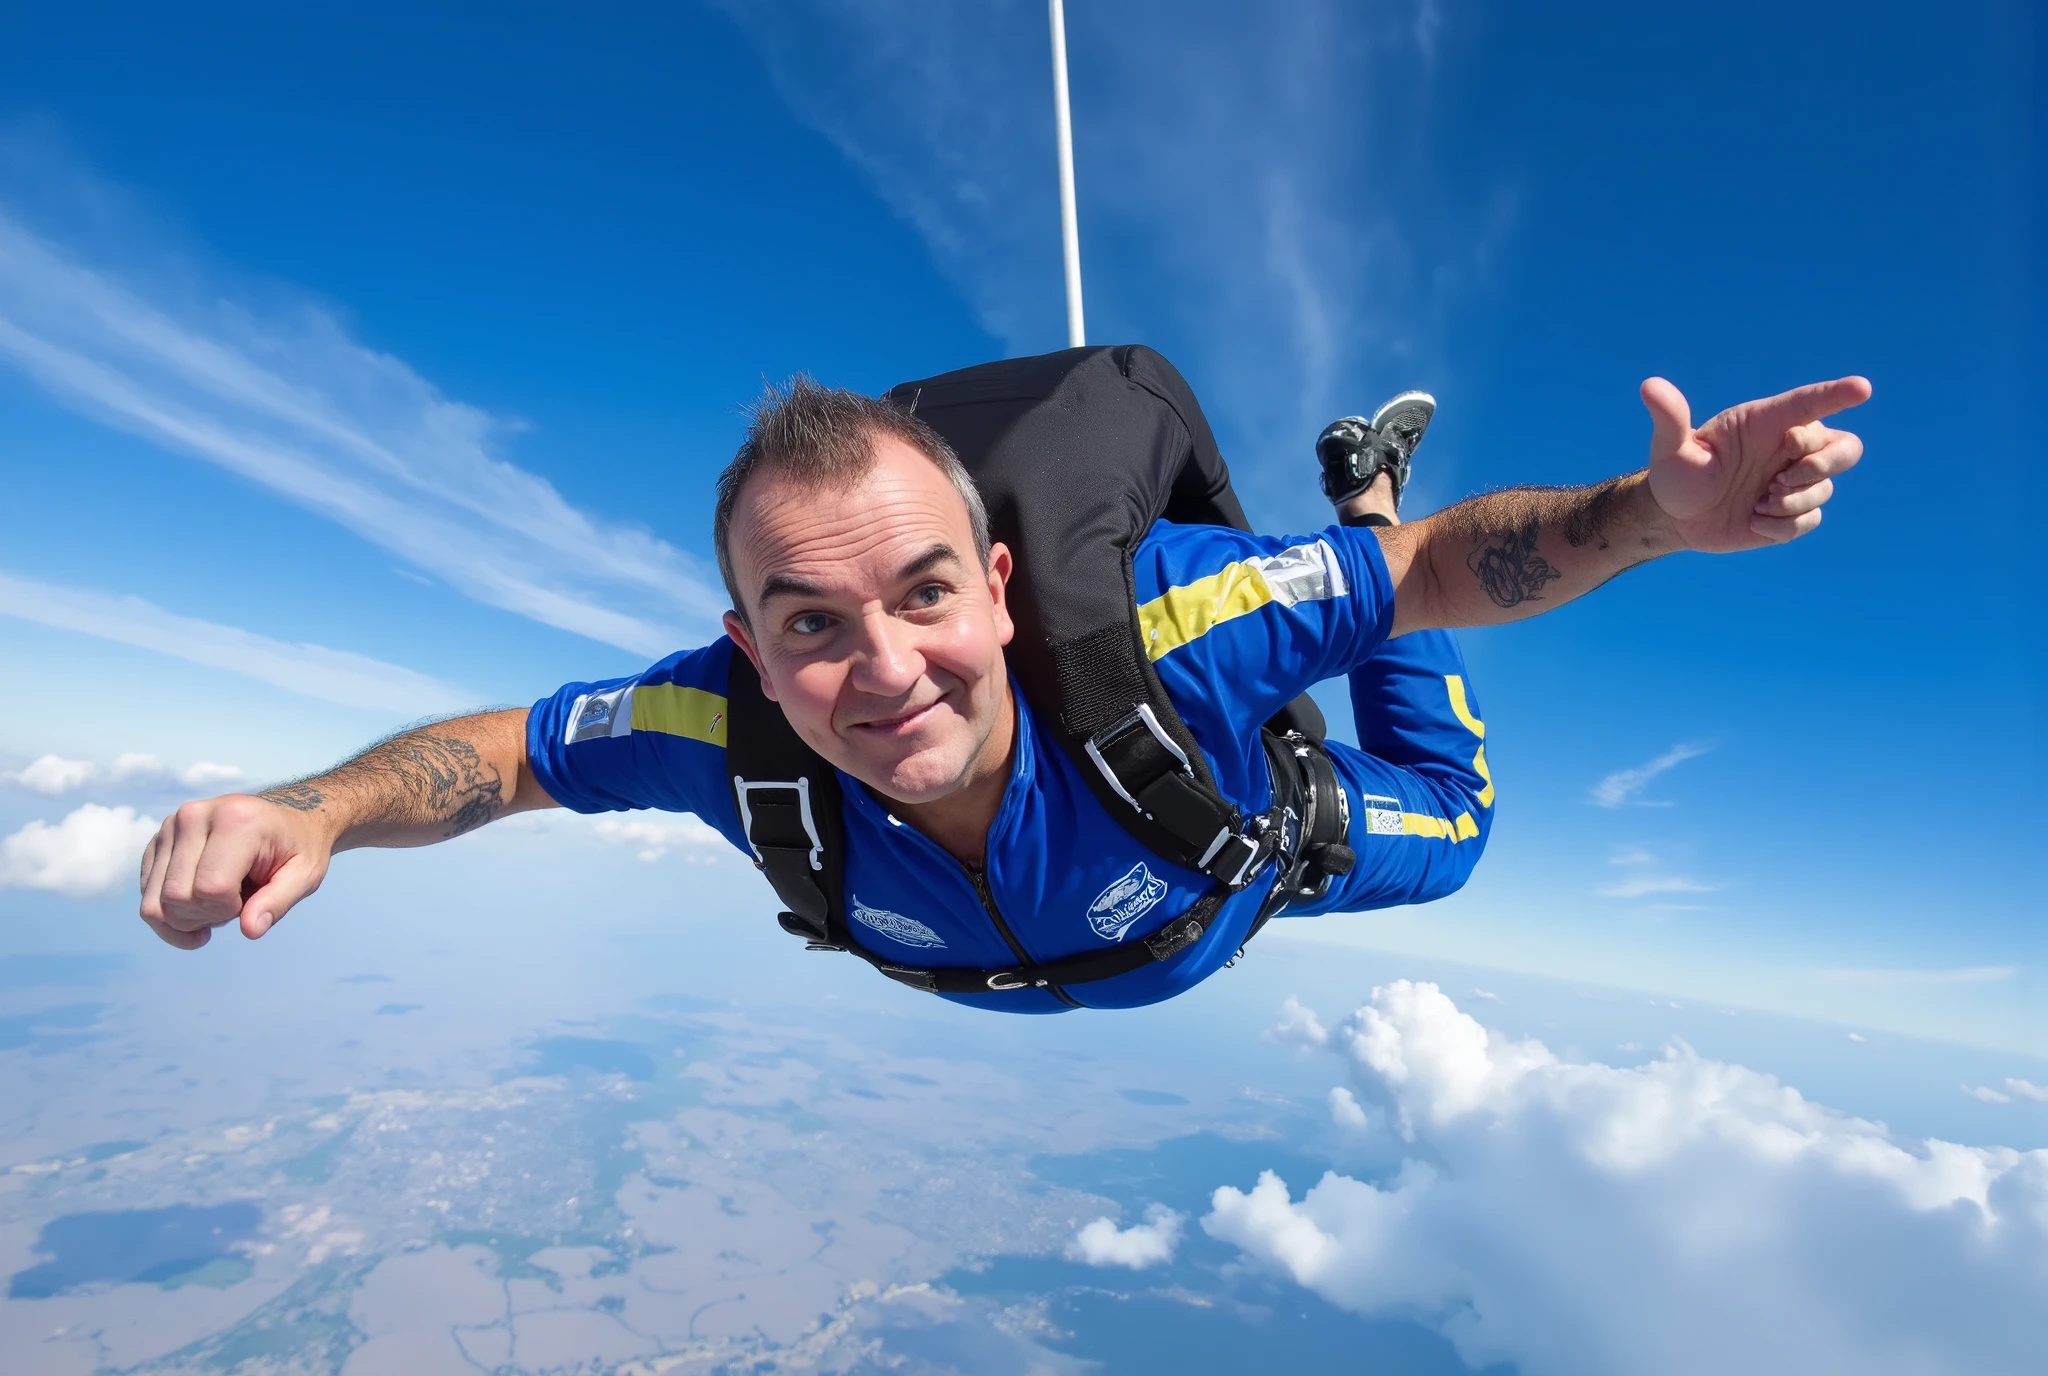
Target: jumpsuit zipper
[988, 902]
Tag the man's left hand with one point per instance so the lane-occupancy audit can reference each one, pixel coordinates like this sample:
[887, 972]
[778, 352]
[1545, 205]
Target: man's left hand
[1756, 474]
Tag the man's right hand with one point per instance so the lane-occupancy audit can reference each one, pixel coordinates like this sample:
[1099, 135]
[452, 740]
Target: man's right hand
[226, 858]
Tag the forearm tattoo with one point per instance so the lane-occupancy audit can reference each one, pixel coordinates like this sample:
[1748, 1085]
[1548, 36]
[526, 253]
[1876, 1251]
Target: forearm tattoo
[298, 797]
[444, 779]
[1508, 566]
[416, 779]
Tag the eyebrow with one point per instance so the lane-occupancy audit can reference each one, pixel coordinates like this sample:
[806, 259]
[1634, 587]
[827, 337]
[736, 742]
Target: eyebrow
[789, 585]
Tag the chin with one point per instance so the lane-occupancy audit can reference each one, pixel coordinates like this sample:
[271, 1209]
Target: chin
[924, 777]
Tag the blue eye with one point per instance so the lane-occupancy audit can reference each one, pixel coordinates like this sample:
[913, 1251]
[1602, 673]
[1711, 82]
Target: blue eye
[930, 595]
[810, 623]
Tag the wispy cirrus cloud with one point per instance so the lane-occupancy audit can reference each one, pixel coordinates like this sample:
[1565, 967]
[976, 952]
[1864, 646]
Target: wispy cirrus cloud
[1625, 786]
[284, 397]
[1234, 165]
[1647, 885]
[314, 671]
[1903, 979]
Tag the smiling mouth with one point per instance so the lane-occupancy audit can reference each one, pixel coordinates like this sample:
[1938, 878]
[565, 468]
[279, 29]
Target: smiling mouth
[908, 721]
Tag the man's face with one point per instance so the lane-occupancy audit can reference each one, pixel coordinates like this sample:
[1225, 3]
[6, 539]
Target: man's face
[874, 626]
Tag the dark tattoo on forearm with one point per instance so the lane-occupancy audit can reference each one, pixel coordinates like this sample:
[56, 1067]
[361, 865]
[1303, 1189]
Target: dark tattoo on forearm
[445, 779]
[300, 797]
[1508, 566]
[419, 778]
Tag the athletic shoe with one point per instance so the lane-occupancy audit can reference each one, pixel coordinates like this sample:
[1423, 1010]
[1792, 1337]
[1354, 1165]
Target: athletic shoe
[1353, 451]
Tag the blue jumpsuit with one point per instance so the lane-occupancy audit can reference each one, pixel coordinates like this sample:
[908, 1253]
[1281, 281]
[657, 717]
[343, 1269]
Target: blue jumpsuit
[1237, 626]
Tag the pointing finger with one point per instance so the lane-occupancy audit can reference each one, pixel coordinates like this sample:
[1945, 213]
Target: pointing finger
[1817, 400]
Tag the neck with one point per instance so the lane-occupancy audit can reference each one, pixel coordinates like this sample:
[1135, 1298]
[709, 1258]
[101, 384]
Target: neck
[959, 822]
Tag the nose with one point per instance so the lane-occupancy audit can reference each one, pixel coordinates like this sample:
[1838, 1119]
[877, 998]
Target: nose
[887, 662]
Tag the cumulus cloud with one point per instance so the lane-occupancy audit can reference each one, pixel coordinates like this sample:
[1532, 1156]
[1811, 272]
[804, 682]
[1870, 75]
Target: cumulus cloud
[279, 394]
[1102, 1243]
[88, 852]
[53, 775]
[656, 839]
[2015, 1089]
[1682, 1216]
[1626, 785]
[207, 772]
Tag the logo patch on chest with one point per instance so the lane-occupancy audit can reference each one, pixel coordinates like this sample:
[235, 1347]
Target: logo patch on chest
[907, 931]
[1125, 901]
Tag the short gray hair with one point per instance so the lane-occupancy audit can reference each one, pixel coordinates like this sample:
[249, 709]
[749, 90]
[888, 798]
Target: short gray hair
[825, 436]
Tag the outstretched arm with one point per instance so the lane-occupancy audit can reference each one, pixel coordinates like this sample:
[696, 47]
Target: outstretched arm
[251, 857]
[1756, 474]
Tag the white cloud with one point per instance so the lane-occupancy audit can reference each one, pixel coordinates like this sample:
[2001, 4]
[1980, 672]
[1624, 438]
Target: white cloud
[1102, 1243]
[1625, 785]
[314, 671]
[1346, 1111]
[53, 775]
[284, 398]
[2014, 1089]
[1683, 1216]
[1898, 979]
[1487, 994]
[88, 852]
[657, 839]
[206, 772]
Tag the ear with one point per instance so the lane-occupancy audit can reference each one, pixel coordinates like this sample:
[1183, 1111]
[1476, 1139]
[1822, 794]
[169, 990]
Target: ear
[999, 569]
[742, 637]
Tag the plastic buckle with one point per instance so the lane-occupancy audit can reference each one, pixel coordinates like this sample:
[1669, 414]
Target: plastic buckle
[802, 787]
[1142, 718]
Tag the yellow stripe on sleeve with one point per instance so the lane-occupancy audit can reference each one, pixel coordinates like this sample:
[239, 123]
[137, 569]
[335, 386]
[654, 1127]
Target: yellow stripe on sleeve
[675, 710]
[1422, 824]
[1463, 709]
[1184, 614]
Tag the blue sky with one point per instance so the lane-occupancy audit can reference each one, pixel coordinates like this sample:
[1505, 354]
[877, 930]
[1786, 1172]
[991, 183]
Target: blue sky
[419, 338]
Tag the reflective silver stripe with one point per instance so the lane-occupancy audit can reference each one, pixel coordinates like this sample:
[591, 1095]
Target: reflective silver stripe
[1302, 573]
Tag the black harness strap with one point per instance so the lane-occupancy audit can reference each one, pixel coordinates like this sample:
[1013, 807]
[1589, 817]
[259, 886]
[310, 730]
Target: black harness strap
[789, 803]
